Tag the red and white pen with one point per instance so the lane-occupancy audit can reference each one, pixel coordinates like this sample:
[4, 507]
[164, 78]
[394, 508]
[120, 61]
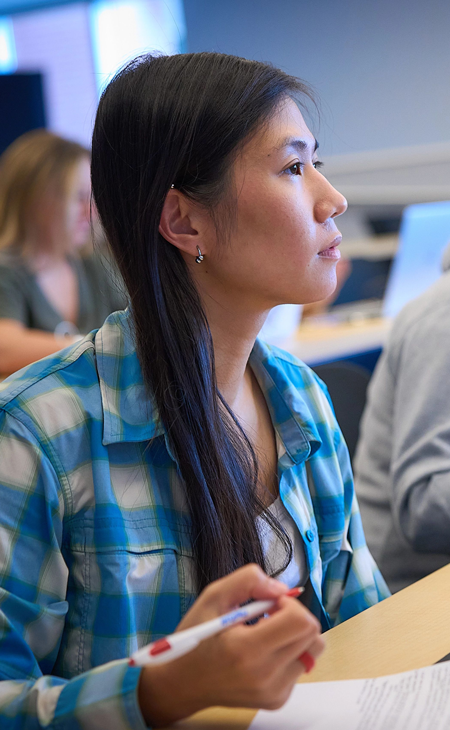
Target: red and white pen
[175, 645]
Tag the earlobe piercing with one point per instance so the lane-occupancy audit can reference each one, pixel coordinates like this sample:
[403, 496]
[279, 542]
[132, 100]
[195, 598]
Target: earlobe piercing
[200, 257]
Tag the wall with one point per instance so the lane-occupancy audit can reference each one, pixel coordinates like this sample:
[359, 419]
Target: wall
[77, 46]
[57, 43]
[380, 67]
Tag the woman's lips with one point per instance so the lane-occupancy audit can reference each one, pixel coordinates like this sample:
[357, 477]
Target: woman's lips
[332, 252]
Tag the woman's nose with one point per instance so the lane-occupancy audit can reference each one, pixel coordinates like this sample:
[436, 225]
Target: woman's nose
[330, 202]
[341, 205]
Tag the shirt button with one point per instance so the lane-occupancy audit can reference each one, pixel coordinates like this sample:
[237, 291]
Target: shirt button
[310, 535]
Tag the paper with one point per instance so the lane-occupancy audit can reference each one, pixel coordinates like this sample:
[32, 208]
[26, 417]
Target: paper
[418, 700]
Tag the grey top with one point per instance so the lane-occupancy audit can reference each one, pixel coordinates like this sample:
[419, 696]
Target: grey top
[296, 572]
[402, 464]
[22, 299]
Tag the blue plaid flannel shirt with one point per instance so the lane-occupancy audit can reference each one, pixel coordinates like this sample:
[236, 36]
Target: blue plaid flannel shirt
[95, 557]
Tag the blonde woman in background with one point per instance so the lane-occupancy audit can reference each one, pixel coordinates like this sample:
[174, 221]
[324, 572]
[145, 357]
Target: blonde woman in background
[50, 289]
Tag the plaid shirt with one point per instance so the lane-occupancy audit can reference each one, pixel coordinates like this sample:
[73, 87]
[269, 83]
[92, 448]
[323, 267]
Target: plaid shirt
[95, 555]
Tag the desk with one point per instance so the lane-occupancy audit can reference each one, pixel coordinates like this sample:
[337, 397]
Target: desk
[320, 341]
[407, 631]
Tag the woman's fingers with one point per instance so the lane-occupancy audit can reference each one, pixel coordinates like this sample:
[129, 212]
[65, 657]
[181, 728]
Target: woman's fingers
[295, 653]
[249, 582]
[258, 677]
[286, 668]
[253, 666]
[247, 666]
[290, 624]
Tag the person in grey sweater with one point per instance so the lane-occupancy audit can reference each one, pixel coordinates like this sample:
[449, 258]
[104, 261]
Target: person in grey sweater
[402, 463]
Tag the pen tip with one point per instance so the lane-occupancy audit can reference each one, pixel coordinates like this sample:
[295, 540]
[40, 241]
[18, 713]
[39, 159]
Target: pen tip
[294, 592]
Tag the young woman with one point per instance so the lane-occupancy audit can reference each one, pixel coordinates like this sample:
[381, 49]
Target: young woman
[48, 290]
[170, 448]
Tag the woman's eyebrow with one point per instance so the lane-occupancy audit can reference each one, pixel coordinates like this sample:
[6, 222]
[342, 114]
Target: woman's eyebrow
[298, 144]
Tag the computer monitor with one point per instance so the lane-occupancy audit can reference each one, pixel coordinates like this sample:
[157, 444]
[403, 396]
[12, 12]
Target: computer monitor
[424, 234]
[21, 106]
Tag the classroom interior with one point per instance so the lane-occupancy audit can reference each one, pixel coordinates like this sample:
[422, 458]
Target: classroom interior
[380, 74]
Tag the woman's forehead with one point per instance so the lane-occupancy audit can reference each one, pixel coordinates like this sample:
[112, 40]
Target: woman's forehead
[285, 129]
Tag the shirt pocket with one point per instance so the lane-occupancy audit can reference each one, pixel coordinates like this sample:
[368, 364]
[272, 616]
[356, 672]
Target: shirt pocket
[128, 587]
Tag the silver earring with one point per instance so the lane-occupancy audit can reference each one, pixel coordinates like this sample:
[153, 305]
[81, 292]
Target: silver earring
[172, 186]
[200, 257]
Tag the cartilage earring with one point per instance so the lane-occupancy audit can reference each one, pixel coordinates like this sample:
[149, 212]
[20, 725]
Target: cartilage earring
[200, 257]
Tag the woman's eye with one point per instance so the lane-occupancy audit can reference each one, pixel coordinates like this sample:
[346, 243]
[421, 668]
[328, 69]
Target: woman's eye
[295, 169]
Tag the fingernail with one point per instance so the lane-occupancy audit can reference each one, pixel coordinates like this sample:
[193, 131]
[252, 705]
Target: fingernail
[307, 660]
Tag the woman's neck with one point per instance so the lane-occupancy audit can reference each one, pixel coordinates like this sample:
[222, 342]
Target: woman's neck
[233, 334]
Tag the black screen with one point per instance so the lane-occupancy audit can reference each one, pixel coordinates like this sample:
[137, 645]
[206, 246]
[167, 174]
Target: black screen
[22, 106]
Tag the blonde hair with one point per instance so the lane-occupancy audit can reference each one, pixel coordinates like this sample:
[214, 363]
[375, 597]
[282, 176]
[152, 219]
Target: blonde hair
[35, 164]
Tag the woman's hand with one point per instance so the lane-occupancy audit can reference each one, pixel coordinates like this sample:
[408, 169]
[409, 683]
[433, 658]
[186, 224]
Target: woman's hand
[244, 666]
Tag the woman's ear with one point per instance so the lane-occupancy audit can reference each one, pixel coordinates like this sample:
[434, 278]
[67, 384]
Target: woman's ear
[179, 222]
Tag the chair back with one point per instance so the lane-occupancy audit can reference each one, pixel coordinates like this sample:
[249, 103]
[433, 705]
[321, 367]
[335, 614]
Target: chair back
[347, 384]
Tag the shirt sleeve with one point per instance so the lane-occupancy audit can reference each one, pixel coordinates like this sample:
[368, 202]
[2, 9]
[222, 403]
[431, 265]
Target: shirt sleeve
[352, 580]
[420, 460]
[12, 297]
[33, 606]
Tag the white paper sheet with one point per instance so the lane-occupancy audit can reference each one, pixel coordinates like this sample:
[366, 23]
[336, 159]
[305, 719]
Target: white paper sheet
[418, 700]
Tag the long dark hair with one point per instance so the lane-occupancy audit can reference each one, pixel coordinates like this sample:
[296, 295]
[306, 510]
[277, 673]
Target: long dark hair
[181, 120]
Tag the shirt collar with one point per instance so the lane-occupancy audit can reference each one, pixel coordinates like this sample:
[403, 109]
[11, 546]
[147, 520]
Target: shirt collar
[131, 415]
[281, 380]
